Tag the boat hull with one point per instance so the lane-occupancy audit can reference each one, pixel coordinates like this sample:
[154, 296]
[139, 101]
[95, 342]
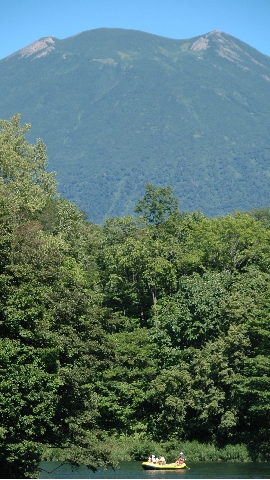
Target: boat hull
[167, 466]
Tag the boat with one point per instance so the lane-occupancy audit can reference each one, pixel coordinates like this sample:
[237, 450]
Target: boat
[165, 466]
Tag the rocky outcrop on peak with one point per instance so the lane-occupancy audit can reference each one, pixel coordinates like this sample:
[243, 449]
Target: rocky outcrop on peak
[38, 48]
[225, 46]
[201, 44]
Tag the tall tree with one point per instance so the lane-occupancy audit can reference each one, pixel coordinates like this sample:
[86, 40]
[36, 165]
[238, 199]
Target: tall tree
[52, 340]
[23, 166]
[157, 204]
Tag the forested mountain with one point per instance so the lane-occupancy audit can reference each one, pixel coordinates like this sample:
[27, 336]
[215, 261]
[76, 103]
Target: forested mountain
[118, 109]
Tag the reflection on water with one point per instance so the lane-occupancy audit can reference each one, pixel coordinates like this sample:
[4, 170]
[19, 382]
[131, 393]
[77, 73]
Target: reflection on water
[54, 470]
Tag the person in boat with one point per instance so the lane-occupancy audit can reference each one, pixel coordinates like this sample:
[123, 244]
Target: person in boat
[162, 460]
[154, 459]
[181, 459]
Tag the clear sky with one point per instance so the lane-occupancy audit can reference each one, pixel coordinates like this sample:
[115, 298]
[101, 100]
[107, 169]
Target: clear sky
[24, 21]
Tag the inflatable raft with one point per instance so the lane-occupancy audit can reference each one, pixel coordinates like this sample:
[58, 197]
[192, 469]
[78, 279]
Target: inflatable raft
[165, 466]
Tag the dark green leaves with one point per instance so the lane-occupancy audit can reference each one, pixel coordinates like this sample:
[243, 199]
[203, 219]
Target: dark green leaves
[157, 204]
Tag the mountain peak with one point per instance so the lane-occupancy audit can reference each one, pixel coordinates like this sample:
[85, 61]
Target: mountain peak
[40, 47]
[227, 47]
[202, 43]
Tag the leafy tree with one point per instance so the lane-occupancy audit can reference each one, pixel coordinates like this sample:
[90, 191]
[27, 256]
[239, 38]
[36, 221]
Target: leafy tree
[254, 383]
[262, 215]
[229, 243]
[157, 204]
[194, 314]
[138, 268]
[28, 394]
[23, 166]
[47, 308]
[214, 410]
[53, 345]
[124, 387]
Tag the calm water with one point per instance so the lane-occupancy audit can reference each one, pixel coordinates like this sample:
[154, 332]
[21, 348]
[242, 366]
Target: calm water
[135, 470]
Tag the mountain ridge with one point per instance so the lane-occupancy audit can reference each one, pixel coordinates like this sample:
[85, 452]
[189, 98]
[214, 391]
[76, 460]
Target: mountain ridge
[120, 108]
[200, 43]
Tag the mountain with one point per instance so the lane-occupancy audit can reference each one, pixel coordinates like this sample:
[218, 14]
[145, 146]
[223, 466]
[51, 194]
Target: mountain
[120, 108]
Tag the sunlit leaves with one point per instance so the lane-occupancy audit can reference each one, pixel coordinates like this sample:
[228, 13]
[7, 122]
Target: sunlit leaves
[229, 243]
[157, 204]
[23, 166]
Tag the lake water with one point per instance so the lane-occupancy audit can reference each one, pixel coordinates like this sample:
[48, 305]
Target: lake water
[135, 470]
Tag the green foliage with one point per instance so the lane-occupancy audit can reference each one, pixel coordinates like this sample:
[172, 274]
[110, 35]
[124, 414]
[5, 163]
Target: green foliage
[125, 400]
[143, 332]
[23, 167]
[193, 315]
[229, 243]
[53, 343]
[207, 328]
[262, 215]
[137, 447]
[157, 204]
[207, 452]
[28, 395]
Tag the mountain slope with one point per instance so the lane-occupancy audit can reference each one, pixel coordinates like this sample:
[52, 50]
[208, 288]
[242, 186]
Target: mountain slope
[120, 108]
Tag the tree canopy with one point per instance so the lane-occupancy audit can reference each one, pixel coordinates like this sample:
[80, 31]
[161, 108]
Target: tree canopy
[156, 326]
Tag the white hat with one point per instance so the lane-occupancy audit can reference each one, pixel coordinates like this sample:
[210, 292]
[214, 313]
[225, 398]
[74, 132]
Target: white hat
[181, 453]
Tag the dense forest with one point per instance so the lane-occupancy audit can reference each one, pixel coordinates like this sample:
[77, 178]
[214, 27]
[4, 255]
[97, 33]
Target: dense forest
[154, 326]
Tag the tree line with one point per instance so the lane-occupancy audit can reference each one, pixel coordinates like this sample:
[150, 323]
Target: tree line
[155, 325]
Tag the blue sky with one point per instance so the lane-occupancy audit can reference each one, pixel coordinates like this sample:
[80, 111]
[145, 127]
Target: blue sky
[24, 21]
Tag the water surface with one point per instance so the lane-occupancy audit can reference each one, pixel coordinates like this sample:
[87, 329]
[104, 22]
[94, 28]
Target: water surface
[134, 470]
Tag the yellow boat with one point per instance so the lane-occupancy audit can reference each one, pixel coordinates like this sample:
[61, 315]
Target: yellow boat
[165, 466]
